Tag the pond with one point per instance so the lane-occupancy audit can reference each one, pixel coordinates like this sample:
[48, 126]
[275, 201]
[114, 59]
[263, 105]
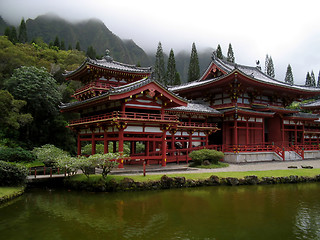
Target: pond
[287, 211]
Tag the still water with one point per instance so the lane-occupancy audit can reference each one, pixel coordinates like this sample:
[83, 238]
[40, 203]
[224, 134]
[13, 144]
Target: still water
[290, 211]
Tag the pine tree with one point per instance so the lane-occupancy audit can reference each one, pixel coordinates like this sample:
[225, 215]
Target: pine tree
[289, 75]
[13, 35]
[318, 83]
[91, 52]
[171, 69]
[313, 80]
[230, 54]
[308, 80]
[62, 45]
[159, 69]
[270, 68]
[69, 47]
[23, 32]
[194, 68]
[219, 52]
[177, 79]
[56, 42]
[78, 46]
[266, 62]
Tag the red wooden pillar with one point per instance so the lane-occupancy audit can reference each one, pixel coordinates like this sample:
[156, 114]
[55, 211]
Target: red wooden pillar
[263, 127]
[93, 143]
[282, 136]
[164, 145]
[247, 130]
[235, 135]
[79, 144]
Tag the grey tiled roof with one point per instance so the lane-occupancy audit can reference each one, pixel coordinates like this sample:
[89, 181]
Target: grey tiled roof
[123, 89]
[108, 63]
[313, 104]
[303, 115]
[253, 73]
[195, 107]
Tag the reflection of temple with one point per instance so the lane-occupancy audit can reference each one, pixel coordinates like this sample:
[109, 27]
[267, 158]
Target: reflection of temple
[233, 108]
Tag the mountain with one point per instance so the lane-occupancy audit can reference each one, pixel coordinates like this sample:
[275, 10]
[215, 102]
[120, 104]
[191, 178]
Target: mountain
[92, 32]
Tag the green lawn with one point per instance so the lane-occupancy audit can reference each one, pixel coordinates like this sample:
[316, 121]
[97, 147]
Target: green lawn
[7, 191]
[260, 174]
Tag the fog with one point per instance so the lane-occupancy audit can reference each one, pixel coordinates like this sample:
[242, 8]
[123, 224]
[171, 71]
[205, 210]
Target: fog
[289, 31]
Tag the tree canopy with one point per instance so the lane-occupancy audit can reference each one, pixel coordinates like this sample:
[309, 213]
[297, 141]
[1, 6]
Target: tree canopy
[159, 68]
[230, 54]
[289, 75]
[171, 69]
[194, 68]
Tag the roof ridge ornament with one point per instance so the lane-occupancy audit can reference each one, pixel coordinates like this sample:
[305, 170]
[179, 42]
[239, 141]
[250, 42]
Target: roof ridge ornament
[107, 56]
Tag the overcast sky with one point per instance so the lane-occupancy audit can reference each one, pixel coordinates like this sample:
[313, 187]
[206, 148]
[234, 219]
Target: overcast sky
[289, 31]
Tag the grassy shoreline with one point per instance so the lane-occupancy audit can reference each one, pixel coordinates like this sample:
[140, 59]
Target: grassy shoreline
[199, 176]
[9, 193]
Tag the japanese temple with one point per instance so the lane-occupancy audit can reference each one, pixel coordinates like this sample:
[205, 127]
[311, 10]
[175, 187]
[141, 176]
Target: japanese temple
[232, 108]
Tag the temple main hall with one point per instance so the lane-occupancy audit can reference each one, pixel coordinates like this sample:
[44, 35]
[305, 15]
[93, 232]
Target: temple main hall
[233, 108]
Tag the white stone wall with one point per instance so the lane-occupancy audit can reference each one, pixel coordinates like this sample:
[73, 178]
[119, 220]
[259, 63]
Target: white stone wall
[251, 157]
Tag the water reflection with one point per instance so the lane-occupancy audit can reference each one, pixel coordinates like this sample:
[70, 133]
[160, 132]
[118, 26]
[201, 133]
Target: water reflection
[248, 212]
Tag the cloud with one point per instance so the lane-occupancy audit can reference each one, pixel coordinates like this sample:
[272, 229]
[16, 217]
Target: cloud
[286, 30]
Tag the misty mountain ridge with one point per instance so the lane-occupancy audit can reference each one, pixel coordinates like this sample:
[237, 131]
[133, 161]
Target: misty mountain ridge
[93, 32]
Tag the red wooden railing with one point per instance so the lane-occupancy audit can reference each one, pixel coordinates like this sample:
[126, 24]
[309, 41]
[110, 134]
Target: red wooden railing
[97, 85]
[127, 116]
[196, 124]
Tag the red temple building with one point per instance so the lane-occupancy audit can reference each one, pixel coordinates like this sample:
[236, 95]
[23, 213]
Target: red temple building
[233, 108]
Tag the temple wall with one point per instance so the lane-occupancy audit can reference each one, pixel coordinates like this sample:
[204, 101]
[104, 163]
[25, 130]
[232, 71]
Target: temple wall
[251, 157]
[311, 154]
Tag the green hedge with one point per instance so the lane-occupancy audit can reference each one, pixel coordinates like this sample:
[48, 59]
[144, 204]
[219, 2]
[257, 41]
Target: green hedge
[12, 174]
[201, 155]
[16, 155]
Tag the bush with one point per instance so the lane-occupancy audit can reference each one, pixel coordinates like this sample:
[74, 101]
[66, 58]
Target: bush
[48, 154]
[12, 174]
[16, 155]
[201, 155]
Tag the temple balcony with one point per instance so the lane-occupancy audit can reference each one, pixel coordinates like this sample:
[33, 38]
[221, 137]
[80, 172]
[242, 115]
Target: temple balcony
[92, 89]
[117, 116]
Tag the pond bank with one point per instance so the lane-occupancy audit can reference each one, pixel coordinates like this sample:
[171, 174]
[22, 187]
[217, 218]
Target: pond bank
[166, 182]
[10, 193]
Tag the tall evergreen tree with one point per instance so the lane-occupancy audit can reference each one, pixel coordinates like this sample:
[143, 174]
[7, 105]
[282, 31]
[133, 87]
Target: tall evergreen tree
[270, 68]
[23, 32]
[78, 46]
[219, 52]
[308, 80]
[56, 42]
[266, 62]
[13, 35]
[62, 45]
[313, 80]
[318, 83]
[230, 54]
[171, 68]
[159, 68]
[91, 52]
[177, 79]
[69, 47]
[194, 68]
[289, 75]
